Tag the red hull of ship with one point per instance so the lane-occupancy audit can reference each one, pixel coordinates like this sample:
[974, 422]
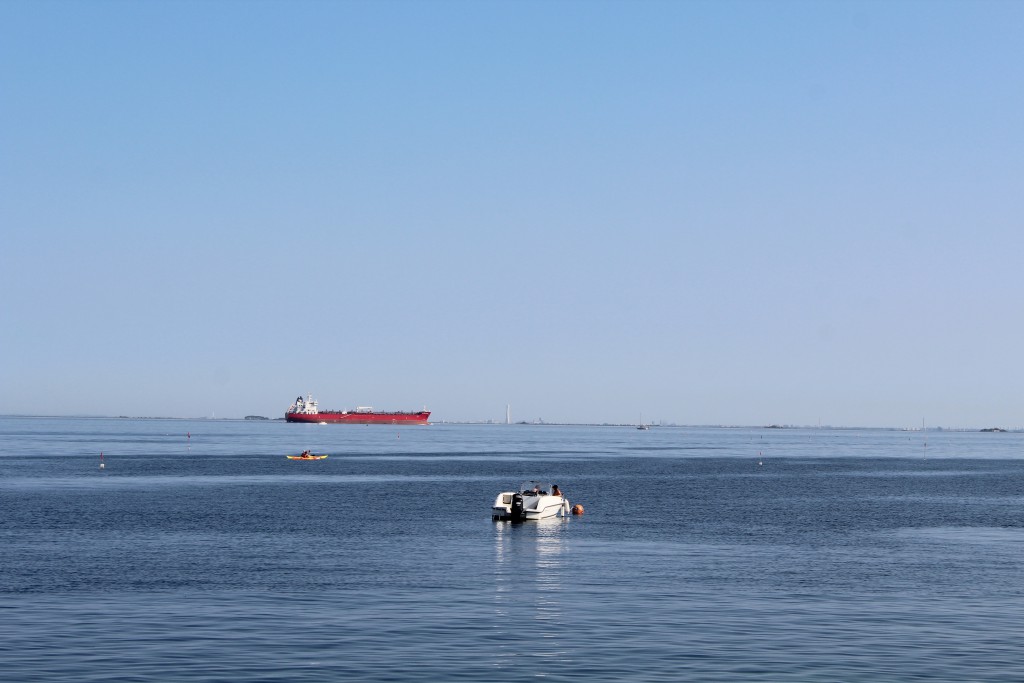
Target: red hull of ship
[361, 418]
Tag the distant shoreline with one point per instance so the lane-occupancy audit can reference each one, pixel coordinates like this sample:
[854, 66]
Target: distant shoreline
[495, 423]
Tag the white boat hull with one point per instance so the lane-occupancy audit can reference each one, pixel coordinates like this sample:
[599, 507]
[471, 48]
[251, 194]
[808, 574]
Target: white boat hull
[534, 507]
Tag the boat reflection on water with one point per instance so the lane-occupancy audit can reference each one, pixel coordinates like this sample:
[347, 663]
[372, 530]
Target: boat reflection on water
[530, 562]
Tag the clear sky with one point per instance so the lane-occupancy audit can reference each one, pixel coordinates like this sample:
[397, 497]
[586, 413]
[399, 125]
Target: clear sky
[704, 212]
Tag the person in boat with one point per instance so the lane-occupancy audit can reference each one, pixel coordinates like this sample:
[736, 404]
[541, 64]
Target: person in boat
[306, 454]
[555, 491]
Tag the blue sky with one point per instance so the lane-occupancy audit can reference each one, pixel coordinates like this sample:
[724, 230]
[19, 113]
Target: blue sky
[708, 213]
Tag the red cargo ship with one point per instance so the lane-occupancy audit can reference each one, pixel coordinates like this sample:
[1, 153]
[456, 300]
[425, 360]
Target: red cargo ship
[305, 410]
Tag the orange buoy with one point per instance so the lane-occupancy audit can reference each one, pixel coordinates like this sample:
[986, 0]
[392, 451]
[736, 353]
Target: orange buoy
[577, 509]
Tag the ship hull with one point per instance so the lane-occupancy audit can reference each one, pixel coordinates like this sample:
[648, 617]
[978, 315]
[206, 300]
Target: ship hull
[419, 418]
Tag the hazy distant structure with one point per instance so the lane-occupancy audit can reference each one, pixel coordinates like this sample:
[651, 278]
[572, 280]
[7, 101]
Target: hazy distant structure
[508, 413]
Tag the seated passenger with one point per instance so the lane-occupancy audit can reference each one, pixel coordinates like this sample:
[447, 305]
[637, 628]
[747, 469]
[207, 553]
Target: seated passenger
[555, 491]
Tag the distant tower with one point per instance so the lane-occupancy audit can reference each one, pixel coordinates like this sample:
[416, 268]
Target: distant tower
[508, 413]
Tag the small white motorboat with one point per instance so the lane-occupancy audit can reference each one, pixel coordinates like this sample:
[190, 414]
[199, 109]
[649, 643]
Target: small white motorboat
[533, 500]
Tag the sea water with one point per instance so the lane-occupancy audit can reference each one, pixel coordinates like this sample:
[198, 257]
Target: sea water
[200, 553]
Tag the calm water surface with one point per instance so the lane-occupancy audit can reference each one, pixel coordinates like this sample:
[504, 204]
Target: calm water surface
[844, 556]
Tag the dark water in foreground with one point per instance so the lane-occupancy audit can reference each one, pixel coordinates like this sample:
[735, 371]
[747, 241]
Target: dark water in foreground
[846, 556]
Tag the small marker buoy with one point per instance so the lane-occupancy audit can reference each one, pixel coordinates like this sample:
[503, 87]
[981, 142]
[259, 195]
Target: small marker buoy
[577, 509]
[102, 466]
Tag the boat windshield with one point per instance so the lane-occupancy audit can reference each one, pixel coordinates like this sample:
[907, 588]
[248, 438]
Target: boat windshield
[535, 487]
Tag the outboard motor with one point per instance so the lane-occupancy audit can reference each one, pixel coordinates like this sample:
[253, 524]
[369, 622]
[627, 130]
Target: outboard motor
[517, 508]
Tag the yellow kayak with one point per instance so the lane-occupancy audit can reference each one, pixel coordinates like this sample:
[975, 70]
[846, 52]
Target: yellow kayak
[305, 457]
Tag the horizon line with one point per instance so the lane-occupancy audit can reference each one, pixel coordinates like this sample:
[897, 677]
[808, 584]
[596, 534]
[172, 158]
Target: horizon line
[541, 423]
